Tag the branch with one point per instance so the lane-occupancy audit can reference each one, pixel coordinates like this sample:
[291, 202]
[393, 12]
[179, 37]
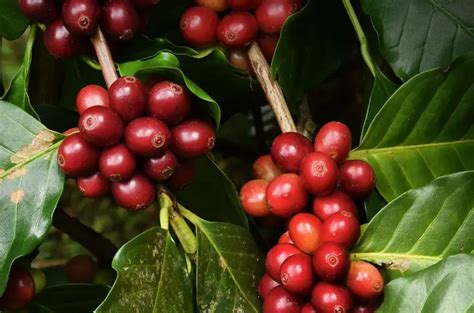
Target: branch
[104, 56]
[306, 125]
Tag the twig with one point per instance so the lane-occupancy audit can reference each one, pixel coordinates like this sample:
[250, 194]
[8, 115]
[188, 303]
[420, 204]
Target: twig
[105, 57]
[306, 125]
[99, 246]
[271, 88]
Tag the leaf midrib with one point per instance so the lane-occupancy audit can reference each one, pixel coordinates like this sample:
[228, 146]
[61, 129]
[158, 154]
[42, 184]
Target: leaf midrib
[382, 255]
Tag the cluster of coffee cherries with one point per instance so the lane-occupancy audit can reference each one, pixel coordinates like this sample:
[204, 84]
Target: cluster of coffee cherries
[22, 285]
[128, 138]
[70, 22]
[311, 261]
[242, 22]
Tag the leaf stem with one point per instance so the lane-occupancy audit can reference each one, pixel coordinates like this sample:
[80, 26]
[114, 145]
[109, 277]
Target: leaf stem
[364, 44]
[104, 56]
[92, 64]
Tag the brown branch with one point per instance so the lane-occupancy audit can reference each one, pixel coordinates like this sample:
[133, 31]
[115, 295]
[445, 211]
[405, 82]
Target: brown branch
[105, 57]
[272, 89]
[305, 125]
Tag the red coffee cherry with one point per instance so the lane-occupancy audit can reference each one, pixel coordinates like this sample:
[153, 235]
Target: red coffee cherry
[272, 14]
[267, 44]
[335, 140]
[19, 291]
[162, 167]
[199, 26]
[192, 138]
[169, 102]
[59, 42]
[77, 157]
[364, 308]
[134, 194]
[145, 4]
[240, 4]
[296, 274]
[94, 186]
[265, 285]
[276, 256]
[364, 280]
[325, 206]
[253, 199]
[101, 126]
[239, 58]
[80, 269]
[41, 11]
[214, 5]
[264, 168]
[81, 17]
[319, 173]
[91, 96]
[331, 261]
[128, 98]
[341, 227]
[327, 297]
[308, 308]
[237, 29]
[117, 163]
[285, 238]
[120, 19]
[305, 231]
[286, 195]
[289, 149]
[183, 175]
[147, 136]
[279, 300]
[357, 178]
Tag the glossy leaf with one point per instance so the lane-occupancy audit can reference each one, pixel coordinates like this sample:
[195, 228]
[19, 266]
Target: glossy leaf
[422, 226]
[77, 298]
[373, 204]
[12, 22]
[425, 130]
[415, 36]
[30, 184]
[444, 287]
[152, 276]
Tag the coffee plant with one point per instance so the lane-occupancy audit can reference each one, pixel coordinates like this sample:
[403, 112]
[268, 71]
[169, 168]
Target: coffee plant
[276, 156]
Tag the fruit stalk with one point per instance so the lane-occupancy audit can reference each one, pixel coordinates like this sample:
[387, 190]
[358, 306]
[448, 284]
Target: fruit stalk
[104, 56]
[272, 89]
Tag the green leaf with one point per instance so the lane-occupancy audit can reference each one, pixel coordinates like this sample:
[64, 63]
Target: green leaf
[373, 204]
[422, 226]
[425, 130]
[30, 184]
[444, 287]
[415, 36]
[152, 276]
[212, 195]
[312, 45]
[12, 22]
[17, 93]
[77, 298]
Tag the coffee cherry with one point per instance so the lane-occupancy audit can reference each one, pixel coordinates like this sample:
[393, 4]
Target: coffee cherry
[192, 138]
[327, 297]
[41, 11]
[276, 256]
[134, 194]
[357, 178]
[308, 308]
[162, 167]
[325, 206]
[237, 29]
[117, 163]
[81, 17]
[80, 269]
[341, 227]
[265, 285]
[289, 149]
[145, 4]
[183, 175]
[77, 157]
[120, 19]
[286, 195]
[19, 291]
[169, 102]
[90, 96]
[364, 280]
[264, 168]
[94, 186]
[128, 98]
[319, 173]
[335, 140]
[285, 238]
[240, 4]
[199, 26]
[147, 136]
[305, 231]
[331, 261]
[267, 44]
[272, 14]
[214, 5]
[296, 274]
[39, 278]
[239, 58]
[252, 198]
[279, 300]
[101, 126]
[59, 42]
